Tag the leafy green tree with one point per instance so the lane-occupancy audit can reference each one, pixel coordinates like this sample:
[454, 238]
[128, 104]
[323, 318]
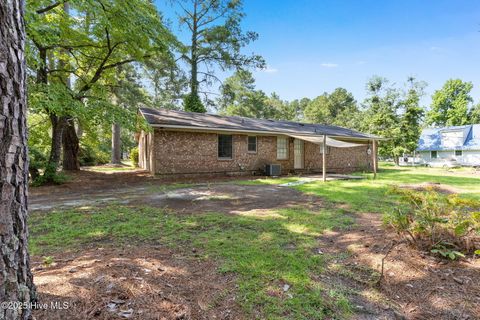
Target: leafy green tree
[298, 107]
[450, 105]
[238, 97]
[216, 40]
[412, 115]
[279, 109]
[474, 114]
[337, 108]
[168, 81]
[318, 110]
[127, 95]
[72, 58]
[381, 116]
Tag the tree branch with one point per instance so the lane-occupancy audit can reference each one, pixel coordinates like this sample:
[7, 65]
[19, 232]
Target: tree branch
[51, 7]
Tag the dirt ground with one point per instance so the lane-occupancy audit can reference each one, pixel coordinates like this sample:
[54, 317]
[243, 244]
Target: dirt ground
[153, 282]
[135, 283]
[415, 285]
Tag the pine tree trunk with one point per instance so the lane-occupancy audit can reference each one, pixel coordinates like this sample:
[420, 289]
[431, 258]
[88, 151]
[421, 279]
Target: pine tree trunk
[116, 144]
[194, 55]
[16, 280]
[71, 147]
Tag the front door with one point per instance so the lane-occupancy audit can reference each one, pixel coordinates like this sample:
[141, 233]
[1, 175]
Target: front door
[298, 154]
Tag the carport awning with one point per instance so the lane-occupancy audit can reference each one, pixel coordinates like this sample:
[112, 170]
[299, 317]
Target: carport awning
[330, 142]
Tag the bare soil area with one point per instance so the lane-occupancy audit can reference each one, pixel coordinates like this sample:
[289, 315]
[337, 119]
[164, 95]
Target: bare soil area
[214, 195]
[415, 285]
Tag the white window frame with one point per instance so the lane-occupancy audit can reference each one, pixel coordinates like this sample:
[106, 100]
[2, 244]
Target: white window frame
[436, 154]
[455, 153]
[282, 148]
[248, 144]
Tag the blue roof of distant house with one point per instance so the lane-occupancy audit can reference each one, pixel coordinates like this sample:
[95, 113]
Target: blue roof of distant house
[431, 138]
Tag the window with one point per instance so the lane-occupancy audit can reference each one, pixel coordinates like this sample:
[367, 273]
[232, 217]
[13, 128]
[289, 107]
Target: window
[458, 153]
[225, 146]
[321, 149]
[433, 154]
[252, 144]
[282, 148]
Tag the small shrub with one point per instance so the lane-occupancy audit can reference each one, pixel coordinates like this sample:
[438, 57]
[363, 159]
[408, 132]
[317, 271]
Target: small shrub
[134, 156]
[444, 224]
[50, 176]
[90, 156]
[47, 260]
[38, 161]
[445, 250]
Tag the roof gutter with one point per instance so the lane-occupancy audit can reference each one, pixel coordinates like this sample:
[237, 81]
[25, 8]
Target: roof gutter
[169, 126]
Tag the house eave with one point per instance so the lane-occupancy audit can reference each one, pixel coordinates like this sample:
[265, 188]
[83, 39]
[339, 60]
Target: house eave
[259, 132]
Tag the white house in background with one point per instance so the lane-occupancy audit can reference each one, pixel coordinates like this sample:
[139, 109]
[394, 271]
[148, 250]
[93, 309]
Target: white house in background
[461, 143]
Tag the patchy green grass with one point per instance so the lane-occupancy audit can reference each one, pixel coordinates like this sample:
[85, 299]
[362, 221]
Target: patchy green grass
[108, 168]
[265, 250]
[369, 195]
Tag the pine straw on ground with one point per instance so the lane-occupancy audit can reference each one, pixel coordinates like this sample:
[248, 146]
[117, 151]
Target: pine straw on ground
[415, 285]
[134, 283]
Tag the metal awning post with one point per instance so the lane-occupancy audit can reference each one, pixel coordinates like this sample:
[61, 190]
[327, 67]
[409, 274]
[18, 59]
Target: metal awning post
[324, 158]
[374, 155]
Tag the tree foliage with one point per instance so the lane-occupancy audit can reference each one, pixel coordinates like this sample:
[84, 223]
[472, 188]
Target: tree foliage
[239, 97]
[193, 103]
[450, 105]
[393, 114]
[216, 39]
[337, 108]
[381, 115]
[74, 50]
[413, 113]
[474, 114]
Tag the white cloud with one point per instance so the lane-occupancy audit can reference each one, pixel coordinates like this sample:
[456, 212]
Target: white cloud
[435, 48]
[361, 62]
[329, 65]
[270, 70]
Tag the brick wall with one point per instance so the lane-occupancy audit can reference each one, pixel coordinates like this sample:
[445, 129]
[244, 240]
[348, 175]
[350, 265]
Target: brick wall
[180, 152]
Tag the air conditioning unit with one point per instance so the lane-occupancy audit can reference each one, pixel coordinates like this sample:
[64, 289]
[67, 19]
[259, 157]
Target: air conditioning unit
[273, 169]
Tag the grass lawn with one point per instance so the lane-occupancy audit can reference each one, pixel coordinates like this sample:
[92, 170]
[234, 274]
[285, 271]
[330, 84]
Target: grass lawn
[265, 251]
[271, 252]
[369, 195]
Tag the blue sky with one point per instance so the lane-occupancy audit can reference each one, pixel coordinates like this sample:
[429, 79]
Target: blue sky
[315, 46]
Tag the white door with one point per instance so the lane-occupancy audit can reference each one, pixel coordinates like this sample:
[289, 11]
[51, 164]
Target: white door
[298, 154]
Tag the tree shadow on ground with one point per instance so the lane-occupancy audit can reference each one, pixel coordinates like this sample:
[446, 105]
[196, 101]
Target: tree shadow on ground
[135, 283]
[415, 285]
[248, 231]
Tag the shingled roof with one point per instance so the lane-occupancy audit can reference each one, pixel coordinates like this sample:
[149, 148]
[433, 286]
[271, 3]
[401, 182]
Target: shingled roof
[192, 120]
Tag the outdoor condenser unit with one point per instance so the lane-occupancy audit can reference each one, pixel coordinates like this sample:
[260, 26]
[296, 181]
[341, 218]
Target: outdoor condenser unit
[273, 169]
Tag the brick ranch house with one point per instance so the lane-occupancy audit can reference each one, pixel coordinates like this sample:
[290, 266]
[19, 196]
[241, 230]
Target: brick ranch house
[196, 143]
